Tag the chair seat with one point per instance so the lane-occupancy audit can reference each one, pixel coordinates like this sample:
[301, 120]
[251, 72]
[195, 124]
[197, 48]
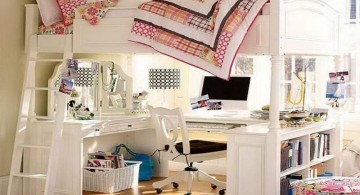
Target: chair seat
[201, 146]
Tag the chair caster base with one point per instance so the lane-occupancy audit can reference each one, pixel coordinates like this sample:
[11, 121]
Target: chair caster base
[175, 185]
[213, 186]
[222, 192]
[158, 190]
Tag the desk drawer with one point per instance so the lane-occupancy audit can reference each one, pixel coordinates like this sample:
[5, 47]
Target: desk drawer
[124, 126]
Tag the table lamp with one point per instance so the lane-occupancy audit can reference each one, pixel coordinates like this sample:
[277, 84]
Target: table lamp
[164, 79]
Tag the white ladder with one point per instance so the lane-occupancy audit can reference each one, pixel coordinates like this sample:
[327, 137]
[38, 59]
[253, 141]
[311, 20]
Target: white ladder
[27, 115]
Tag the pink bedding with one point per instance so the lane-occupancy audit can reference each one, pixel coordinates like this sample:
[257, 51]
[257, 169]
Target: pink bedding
[92, 12]
[209, 42]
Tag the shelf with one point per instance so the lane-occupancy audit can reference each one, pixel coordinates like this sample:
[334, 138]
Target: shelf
[294, 132]
[304, 166]
[293, 170]
[322, 159]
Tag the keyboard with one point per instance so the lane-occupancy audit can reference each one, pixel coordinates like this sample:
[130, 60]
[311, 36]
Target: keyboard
[208, 126]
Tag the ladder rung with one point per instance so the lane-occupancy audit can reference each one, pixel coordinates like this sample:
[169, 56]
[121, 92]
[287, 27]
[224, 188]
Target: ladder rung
[39, 117]
[42, 88]
[34, 146]
[30, 175]
[46, 60]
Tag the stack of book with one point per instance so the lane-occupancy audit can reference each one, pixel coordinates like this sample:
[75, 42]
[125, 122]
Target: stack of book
[264, 114]
[291, 154]
[106, 161]
[319, 145]
[293, 179]
[284, 186]
[318, 170]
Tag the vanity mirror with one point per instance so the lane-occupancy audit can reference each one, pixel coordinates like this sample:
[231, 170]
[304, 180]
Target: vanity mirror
[115, 87]
[103, 87]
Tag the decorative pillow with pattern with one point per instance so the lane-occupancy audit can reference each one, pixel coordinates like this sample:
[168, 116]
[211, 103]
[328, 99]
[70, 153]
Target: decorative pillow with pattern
[93, 12]
[67, 8]
[55, 29]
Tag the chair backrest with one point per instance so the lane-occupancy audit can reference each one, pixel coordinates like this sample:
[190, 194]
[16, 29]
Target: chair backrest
[167, 123]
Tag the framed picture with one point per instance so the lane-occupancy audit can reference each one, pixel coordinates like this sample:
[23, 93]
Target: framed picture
[66, 86]
[199, 102]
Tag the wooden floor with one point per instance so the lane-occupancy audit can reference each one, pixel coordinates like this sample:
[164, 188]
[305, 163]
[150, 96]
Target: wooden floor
[199, 188]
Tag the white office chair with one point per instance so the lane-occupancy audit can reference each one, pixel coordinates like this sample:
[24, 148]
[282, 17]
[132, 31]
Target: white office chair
[168, 123]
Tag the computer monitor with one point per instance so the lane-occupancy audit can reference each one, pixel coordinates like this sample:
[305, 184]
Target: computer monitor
[233, 94]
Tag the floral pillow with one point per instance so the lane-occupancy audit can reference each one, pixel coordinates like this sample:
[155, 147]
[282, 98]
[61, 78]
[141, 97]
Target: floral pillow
[93, 12]
[55, 29]
[67, 8]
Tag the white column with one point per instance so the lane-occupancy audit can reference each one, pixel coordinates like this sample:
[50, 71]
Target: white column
[339, 63]
[272, 163]
[277, 62]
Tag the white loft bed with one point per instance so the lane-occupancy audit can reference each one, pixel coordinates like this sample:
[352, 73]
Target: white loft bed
[308, 27]
[298, 27]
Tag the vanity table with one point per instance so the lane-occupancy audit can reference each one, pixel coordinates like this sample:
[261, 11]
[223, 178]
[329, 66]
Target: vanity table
[81, 137]
[106, 90]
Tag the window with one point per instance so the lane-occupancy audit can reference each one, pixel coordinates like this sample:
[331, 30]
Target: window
[352, 11]
[244, 65]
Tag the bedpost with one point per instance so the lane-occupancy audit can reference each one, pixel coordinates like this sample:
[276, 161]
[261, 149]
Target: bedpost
[272, 159]
[277, 59]
[32, 22]
[277, 62]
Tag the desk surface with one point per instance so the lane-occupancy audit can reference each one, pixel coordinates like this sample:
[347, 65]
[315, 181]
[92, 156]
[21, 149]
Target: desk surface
[223, 116]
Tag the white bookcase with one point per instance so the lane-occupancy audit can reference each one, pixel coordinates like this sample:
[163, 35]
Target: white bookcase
[254, 163]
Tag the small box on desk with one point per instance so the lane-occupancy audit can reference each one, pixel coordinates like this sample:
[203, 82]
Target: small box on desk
[111, 180]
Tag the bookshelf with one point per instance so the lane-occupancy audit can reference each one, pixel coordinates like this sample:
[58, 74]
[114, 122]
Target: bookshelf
[255, 164]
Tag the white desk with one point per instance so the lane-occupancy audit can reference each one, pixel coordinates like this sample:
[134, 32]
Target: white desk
[222, 116]
[82, 137]
[79, 138]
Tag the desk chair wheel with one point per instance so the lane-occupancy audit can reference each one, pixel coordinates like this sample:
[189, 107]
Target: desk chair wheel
[222, 192]
[175, 185]
[213, 186]
[158, 190]
[188, 193]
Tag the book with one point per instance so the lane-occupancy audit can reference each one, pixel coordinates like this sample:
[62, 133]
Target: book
[284, 186]
[117, 161]
[100, 163]
[314, 146]
[285, 156]
[327, 144]
[321, 145]
[300, 155]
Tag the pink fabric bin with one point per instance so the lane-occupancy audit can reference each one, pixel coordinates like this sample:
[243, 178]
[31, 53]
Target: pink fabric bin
[328, 186]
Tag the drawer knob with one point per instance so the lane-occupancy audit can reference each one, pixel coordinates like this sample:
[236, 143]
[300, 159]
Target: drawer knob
[129, 125]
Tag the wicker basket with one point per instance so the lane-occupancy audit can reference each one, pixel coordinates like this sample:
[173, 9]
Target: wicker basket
[113, 180]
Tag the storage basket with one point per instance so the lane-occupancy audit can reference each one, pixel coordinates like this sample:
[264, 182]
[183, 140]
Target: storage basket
[113, 180]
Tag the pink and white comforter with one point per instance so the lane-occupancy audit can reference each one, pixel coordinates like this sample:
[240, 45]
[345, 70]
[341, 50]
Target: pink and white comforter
[207, 38]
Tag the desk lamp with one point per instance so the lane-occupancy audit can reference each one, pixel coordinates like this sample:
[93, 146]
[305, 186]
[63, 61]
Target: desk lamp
[164, 79]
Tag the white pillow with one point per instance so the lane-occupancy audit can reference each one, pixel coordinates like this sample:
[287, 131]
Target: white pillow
[203, 7]
[49, 11]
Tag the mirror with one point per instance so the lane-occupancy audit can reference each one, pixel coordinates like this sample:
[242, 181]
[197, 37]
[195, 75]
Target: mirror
[116, 88]
[103, 87]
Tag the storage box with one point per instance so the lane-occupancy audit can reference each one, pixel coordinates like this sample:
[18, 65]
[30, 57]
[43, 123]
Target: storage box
[112, 180]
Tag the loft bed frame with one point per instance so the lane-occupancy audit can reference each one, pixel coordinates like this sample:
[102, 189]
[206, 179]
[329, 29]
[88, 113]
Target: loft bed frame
[284, 27]
[302, 27]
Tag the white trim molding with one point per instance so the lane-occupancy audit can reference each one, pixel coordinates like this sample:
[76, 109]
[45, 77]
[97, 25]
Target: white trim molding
[4, 181]
[4, 184]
